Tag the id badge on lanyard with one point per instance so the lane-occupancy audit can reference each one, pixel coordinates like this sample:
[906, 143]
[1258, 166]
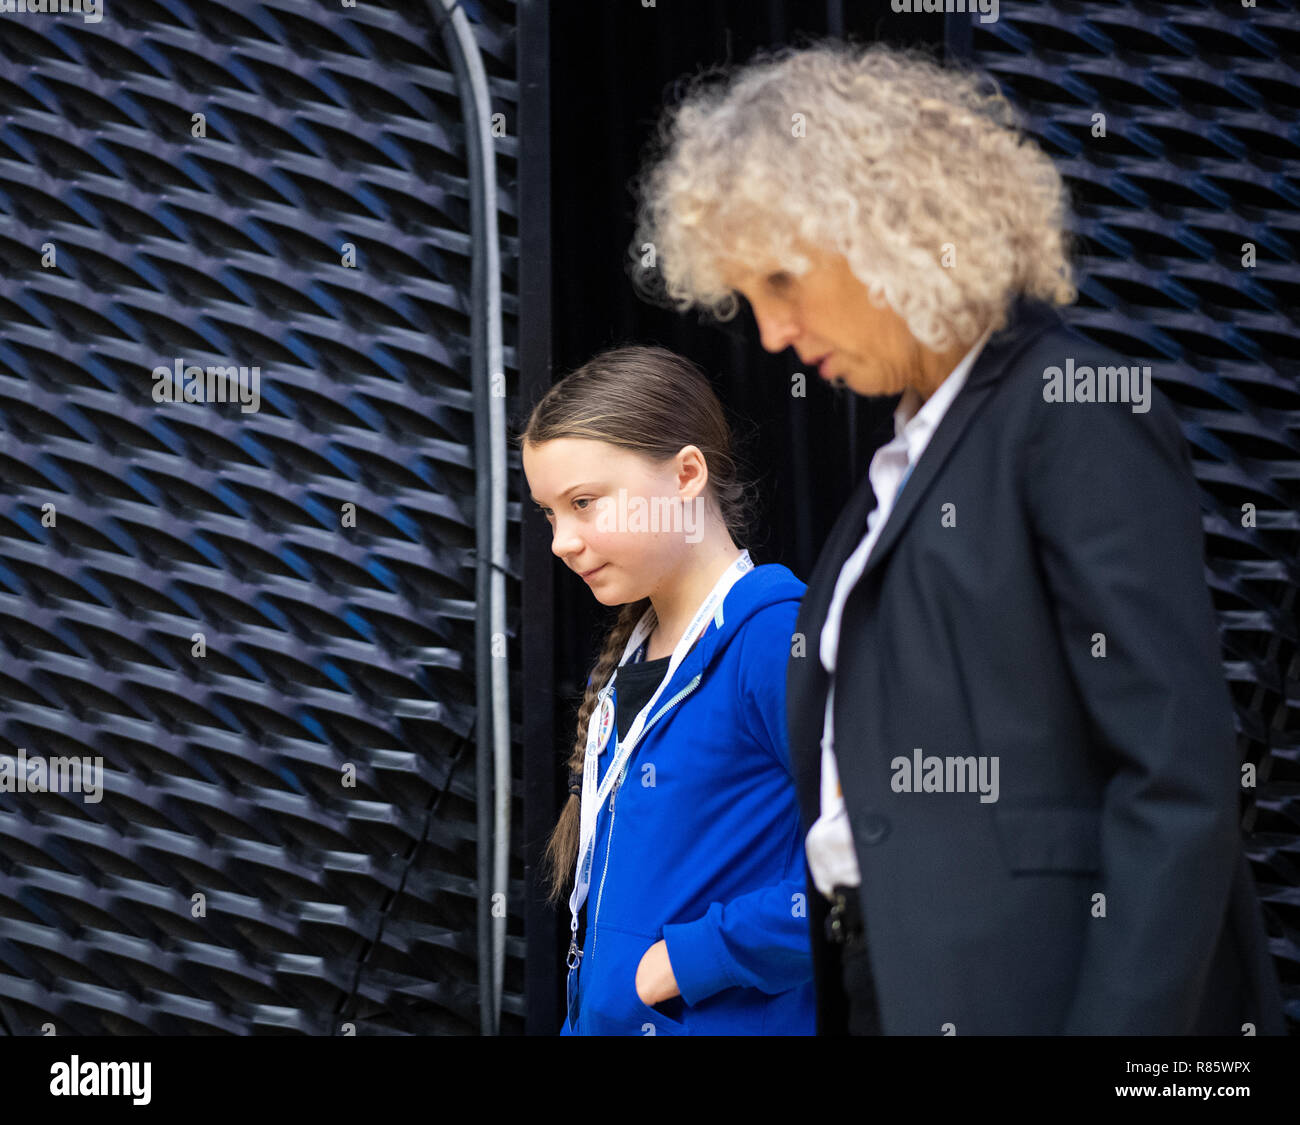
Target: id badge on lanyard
[601, 726]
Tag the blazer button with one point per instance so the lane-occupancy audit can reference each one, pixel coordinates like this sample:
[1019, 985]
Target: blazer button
[870, 827]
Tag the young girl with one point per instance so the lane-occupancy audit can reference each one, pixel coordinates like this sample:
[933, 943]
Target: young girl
[681, 837]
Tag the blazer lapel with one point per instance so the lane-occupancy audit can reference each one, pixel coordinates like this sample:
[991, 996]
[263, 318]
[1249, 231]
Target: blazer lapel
[850, 527]
[1026, 320]
[958, 415]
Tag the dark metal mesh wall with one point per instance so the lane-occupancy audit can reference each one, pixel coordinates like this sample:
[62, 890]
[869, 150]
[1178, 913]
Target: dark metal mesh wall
[1201, 102]
[326, 645]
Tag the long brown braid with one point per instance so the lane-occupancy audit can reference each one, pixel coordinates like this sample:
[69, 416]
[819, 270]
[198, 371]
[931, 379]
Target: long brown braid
[654, 402]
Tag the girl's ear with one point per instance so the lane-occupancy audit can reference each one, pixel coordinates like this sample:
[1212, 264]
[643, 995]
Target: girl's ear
[690, 460]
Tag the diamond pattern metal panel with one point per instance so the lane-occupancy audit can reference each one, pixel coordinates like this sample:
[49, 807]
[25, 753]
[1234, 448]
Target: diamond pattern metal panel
[182, 592]
[1190, 171]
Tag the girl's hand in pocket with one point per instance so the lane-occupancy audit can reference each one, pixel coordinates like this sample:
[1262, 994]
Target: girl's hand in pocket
[654, 975]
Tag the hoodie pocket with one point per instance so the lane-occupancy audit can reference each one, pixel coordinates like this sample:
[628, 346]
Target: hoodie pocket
[610, 1002]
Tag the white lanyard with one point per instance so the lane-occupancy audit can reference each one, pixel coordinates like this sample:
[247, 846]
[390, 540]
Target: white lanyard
[601, 725]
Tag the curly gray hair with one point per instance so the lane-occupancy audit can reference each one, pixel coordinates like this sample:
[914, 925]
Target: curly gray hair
[918, 173]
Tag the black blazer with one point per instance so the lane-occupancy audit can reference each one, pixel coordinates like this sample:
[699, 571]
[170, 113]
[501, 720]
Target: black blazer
[1105, 891]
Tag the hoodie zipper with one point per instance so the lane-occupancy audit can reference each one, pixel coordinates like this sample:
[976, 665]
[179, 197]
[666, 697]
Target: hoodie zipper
[609, 845]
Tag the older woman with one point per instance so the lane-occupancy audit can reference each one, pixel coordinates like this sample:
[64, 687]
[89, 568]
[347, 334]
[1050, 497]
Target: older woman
[1008, 719]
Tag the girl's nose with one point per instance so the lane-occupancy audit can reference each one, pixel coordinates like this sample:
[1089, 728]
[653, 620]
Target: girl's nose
[564, 544]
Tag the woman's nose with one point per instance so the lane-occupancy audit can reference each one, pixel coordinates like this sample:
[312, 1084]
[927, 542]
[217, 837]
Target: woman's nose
[776, 327]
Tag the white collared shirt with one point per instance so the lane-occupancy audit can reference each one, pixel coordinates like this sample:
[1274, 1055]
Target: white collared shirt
[830, 843]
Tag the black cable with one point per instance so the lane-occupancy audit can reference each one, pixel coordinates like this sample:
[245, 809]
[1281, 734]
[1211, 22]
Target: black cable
[345, 1011]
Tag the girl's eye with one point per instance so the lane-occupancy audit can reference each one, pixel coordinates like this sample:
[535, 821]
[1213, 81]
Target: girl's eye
[547, 511]
[778, 280]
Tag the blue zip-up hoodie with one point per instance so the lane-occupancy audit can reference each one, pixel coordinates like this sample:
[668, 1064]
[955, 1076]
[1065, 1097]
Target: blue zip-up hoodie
[700, 843]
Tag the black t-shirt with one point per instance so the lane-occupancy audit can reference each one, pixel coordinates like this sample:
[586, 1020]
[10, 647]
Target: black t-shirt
[634, 686]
